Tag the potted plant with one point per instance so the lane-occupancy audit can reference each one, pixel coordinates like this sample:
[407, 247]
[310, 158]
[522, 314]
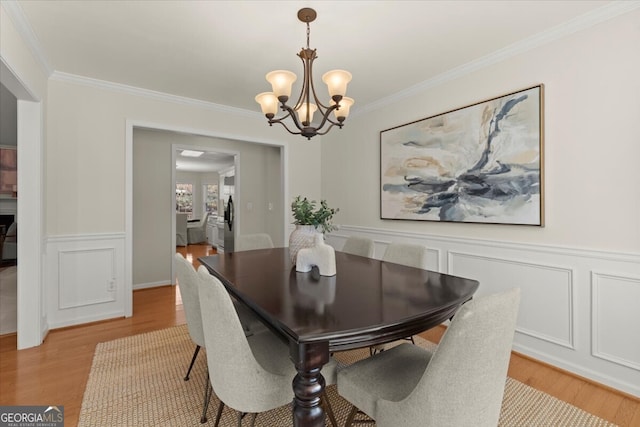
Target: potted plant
[309, 220]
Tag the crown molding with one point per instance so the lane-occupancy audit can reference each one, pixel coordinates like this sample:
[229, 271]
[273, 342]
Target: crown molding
[587, 20]
[151, 94]
[21, 23]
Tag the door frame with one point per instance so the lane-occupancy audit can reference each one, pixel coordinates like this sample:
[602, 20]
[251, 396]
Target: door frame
[174, 154]
[32, 320]
[139, 124]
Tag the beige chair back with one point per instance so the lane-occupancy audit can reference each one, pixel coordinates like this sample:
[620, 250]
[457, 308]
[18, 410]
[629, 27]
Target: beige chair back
[406, 254]
[464, 382]
[188, 285]
[357, 245]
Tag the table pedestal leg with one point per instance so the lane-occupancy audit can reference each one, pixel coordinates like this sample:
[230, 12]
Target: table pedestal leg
[308, 384]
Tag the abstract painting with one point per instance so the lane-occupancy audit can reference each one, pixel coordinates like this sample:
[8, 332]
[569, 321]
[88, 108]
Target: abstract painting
[480, 164]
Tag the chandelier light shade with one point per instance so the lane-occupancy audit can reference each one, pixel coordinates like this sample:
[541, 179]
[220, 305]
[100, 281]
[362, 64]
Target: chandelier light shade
[302, 112]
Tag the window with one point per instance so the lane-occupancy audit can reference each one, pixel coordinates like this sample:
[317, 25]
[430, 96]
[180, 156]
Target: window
[184, 199]
[210, 192]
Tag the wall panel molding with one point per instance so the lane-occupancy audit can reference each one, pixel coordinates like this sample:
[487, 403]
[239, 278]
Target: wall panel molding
[548, 313]
[84, 277]
[578, 309]
[614, 298]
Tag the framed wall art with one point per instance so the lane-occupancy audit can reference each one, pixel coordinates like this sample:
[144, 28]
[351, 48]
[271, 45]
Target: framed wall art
[482, 163]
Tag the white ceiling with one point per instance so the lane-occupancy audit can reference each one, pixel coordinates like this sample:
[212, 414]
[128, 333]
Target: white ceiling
[210, 161]
[219, 51]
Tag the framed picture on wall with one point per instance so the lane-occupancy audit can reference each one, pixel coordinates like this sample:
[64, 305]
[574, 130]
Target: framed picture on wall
[8, 169]
[482, 163]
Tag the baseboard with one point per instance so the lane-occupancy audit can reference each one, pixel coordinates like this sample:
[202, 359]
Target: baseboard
[148, 285]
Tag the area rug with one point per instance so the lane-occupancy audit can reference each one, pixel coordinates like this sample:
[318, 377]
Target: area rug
[138, 381]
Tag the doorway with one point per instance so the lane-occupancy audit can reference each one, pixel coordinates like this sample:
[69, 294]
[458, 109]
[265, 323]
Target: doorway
[150, 221]
[31, 314]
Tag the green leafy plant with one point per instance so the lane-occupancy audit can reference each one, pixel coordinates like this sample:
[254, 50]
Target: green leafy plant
[305, 213]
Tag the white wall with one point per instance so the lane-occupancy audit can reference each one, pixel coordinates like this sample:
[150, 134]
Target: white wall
[580, 274]
[591, 141]
[85, 161]
[86, 166]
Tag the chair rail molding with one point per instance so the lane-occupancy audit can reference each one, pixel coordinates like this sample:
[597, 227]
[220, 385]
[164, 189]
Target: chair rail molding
[578, 308]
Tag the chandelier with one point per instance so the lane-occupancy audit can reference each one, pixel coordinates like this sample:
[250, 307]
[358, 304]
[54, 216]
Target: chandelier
[301, 113]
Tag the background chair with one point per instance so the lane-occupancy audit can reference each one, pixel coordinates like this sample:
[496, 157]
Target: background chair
[406, 254]
[361, 246]
[181, 229]
[197, 231]
[248, 242]
[460, 384]
[249, 374]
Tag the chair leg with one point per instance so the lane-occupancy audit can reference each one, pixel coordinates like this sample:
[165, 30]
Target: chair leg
[208, 391]
[219, 414]
[193, 360]
[326, 405]
[352, 415]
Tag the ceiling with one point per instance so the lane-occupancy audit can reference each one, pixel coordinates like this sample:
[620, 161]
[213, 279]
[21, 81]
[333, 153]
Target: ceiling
[210, 161]
[219, 51]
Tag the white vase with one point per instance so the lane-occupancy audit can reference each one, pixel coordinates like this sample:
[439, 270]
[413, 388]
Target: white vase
[302, 237]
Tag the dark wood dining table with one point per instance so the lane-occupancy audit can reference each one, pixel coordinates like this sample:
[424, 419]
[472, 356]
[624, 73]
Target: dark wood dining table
[367, 302]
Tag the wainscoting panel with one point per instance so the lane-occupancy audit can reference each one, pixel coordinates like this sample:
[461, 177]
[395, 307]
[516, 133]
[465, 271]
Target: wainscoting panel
[615, 301]
[579, 307]
[78, 269]
[84, 278]
[546, 289]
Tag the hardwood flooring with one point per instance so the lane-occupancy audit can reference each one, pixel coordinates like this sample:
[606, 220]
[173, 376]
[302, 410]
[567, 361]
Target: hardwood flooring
[56, 372]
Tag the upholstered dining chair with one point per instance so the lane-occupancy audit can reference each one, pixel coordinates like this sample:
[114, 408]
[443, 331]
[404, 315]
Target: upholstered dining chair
[356, 245]
[248, 242]
[181, 229]
[408, 254]
[460, 384]
[249, 374]
[197, 231]
[188, 285]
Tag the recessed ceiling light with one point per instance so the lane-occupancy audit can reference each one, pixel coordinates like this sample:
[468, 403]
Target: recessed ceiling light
[190, 153]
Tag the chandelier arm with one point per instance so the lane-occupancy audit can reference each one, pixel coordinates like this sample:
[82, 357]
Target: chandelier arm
[326, 118]
[305, 80]
[286, 127]
[320, 105]
[329, 128]
[292, 114]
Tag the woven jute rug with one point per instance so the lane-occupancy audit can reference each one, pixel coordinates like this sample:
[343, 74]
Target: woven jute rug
[138, 381]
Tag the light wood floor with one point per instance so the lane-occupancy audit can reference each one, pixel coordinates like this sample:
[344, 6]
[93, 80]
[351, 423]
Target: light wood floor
[56, 372]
